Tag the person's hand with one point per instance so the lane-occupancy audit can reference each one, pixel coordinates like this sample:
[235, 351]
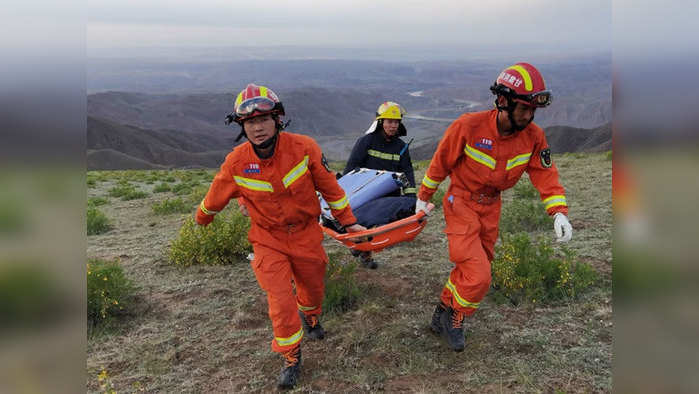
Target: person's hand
[421, 205]
[562, 227]
[354, 229]
[243, 210]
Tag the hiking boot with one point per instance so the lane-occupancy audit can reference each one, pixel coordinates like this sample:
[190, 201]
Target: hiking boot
[312, 327]
[368, 261]
[292, 368]
[436, 324]
[450, 324]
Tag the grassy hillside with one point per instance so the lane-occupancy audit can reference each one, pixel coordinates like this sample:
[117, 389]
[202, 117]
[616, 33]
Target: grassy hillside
[205, 328]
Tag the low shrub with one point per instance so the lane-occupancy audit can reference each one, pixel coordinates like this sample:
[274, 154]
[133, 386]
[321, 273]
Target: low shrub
[108, 290]
[97, 222]
[341, 288]
[126, 191]
[182, 189]
[524, 215]
[120, 189]
[168, 206]
[161, 188]
[525, 189]
[198, 193]
[96, 201]
[224, 241]
[532, 271]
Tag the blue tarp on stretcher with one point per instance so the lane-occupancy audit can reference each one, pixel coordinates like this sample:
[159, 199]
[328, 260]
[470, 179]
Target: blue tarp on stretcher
[367, 191]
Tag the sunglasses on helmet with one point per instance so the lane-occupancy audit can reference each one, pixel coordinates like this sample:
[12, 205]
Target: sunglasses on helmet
[540, 99]
[260, 104]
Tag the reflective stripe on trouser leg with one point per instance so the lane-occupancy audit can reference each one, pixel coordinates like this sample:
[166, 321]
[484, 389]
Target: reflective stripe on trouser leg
[273, 272]
[308, 262]
[471, 231]
[309, 277]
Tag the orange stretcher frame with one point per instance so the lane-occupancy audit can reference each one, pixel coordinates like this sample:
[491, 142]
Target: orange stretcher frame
[378, 238]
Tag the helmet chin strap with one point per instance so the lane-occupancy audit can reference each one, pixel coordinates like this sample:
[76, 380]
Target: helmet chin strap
[510, 110]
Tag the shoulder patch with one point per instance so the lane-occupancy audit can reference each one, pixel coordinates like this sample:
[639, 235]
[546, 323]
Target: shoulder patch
[545, 158]
[324, 161]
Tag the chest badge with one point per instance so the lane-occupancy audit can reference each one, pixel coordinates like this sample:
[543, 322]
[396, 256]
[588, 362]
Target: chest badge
[485, 143]
[252, 168]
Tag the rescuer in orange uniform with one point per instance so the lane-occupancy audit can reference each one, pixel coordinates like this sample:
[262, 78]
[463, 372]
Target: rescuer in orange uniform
[484, 153]
[275, 175]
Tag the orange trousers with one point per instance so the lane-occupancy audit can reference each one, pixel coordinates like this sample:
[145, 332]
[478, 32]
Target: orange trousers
[287, 261]
[471, 230]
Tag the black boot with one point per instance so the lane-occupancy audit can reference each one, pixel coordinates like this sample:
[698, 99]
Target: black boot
[368, 261]
[449, 323]
[436, 324]
[291, 371]
[312, 327]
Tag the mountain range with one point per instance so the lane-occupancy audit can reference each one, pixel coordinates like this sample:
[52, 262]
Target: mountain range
[150, 114]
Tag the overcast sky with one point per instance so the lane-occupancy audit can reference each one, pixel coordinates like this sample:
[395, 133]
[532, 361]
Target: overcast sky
[568, 25]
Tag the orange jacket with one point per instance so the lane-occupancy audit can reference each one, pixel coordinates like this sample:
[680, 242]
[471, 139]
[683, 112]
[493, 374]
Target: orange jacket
[477, 159]
[279, 192]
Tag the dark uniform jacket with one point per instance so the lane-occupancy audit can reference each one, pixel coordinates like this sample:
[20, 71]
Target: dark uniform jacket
[373, 151]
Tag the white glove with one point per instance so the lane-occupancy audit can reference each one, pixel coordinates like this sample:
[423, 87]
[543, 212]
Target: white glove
[562, 227]
[421, 206]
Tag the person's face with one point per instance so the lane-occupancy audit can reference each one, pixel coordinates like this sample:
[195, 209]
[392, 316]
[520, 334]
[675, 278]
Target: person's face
[522, 114]
[259, 129]
[390, 126]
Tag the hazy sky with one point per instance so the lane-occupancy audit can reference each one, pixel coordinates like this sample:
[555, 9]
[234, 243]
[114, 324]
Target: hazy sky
[566, 25]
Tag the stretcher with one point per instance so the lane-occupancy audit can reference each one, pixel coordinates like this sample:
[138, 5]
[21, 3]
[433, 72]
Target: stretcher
[361, 186]
[378, 238]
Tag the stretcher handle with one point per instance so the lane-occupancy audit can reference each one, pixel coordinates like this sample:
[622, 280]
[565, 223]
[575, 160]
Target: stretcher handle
[418, 217]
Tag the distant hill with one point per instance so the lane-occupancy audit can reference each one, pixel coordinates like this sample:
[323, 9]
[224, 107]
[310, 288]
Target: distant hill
[109, 159]
[571, 139]
[116, 146]
[561, 139]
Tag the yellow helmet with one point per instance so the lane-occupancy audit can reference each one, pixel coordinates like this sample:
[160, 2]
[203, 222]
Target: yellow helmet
[390, 110]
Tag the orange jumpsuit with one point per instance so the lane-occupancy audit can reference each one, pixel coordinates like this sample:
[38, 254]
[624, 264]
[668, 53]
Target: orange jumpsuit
[480, 164]
[280, 196]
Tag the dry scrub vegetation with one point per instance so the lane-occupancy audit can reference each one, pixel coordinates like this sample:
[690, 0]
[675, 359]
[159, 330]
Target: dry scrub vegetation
[204, 328]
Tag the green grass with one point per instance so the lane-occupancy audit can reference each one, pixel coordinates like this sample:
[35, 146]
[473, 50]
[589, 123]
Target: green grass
[97, 201]
[204, 328]
[341, 288]
[108, 291]
[170, 206]
[161, 188]
[224, 241]
[97, 222]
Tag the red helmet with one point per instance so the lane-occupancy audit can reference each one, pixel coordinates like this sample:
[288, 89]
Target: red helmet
[523, 82]
[255, 101]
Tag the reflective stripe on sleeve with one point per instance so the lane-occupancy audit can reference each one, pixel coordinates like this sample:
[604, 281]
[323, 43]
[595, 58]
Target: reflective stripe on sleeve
[518, 161]
[292, 340]
[480, 157]
[339, 204]
[253, 184]
[409, 190]
[296, 172]
[554, 201]
[429, 182]
[206, 211]
[466, 304]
